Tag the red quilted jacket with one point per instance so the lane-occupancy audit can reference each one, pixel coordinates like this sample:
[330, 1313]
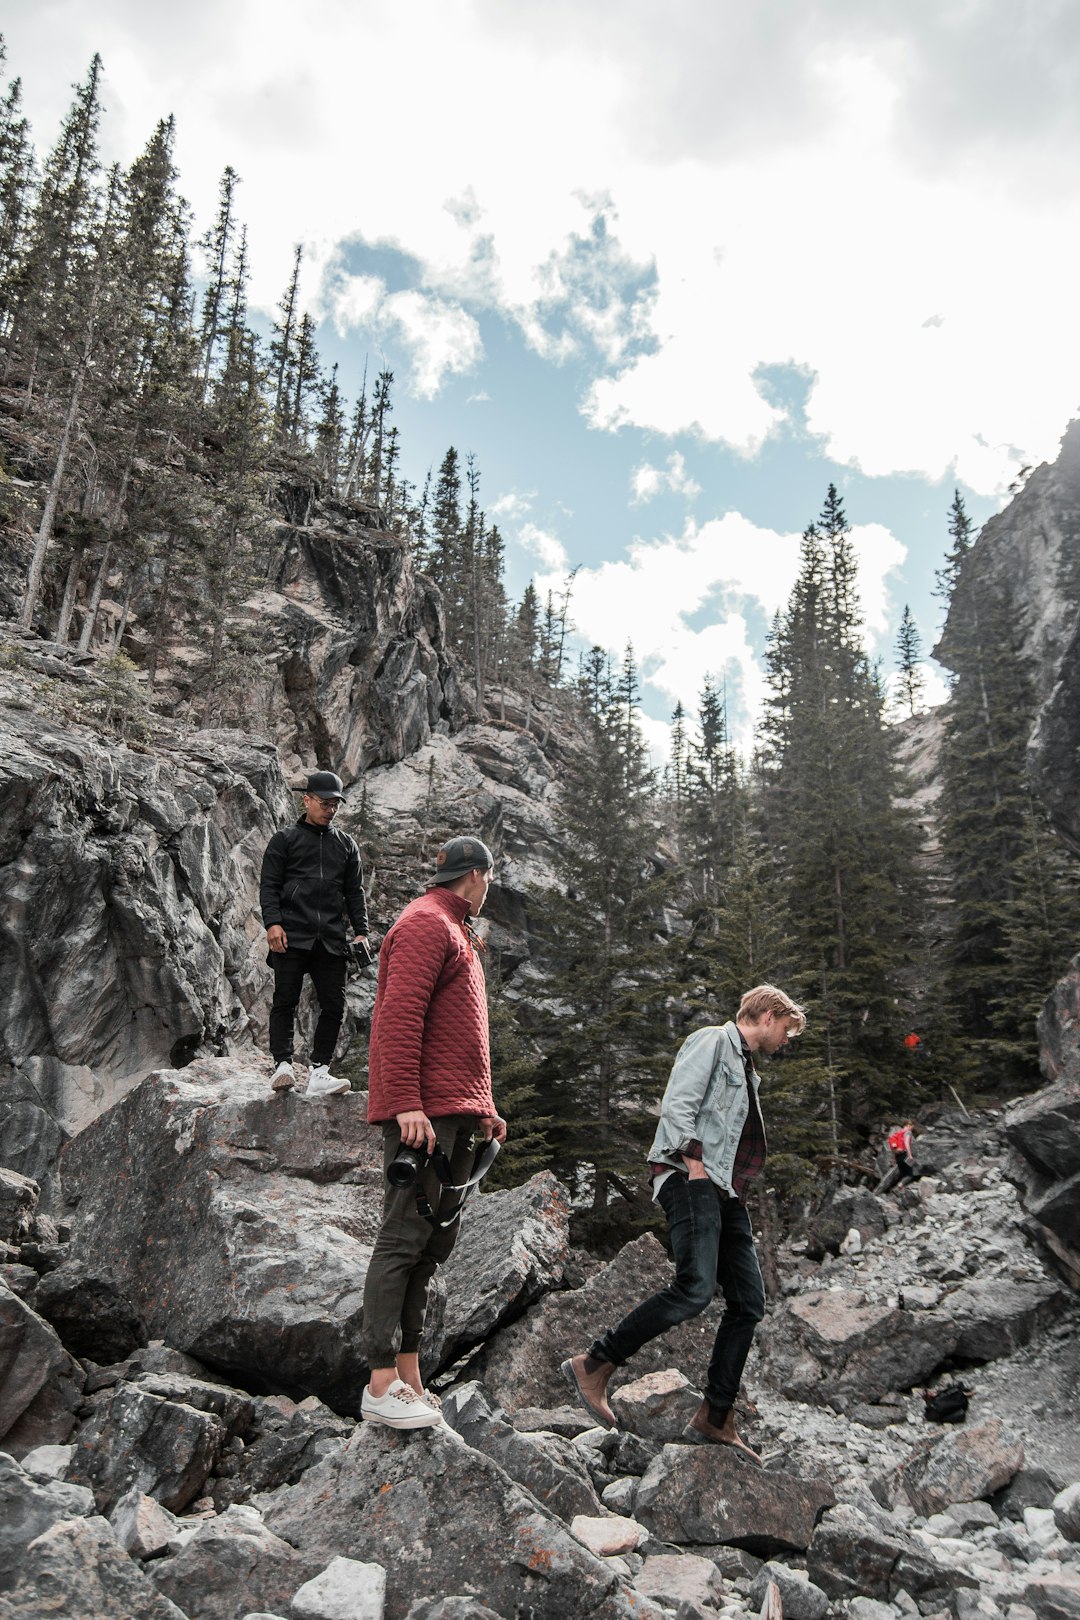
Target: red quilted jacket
[429, 1030]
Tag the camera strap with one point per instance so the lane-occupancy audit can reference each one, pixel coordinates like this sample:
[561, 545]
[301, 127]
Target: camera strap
[486, 1154]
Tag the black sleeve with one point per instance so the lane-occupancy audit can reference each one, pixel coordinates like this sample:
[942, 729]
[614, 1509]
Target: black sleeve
[272, 879]
[355, 898]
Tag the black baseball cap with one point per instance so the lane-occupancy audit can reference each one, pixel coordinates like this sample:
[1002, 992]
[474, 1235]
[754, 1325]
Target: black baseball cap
[325, 785]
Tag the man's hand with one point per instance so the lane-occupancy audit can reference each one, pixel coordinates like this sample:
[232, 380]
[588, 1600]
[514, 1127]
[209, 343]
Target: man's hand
[492, 1126]
[416, 1129]
[695, 1169]
[276, 939]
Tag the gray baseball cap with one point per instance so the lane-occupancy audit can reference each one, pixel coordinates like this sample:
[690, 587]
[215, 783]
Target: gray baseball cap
[459, 857]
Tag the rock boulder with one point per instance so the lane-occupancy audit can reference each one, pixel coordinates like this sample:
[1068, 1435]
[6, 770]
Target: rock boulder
[707, 1494]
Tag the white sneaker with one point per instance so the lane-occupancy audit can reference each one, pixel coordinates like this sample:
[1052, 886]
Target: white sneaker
[400, 1408]
[321, 1083]
[283, 1077]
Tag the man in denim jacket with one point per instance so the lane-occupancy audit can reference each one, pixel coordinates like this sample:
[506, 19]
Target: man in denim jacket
[708, 1146]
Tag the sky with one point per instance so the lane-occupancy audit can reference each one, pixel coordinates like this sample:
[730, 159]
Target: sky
[665, 269]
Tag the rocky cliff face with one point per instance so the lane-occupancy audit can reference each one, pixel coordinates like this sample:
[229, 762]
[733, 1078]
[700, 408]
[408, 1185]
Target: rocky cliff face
[1033, 546]
[129, 930]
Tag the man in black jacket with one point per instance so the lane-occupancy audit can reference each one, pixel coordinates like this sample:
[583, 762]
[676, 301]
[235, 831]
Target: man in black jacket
[311, 875]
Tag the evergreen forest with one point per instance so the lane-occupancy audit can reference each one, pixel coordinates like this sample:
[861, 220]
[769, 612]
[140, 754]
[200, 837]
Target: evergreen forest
[152, 442]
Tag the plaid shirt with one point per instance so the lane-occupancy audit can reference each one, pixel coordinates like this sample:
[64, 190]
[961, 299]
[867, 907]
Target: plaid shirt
[751, 1151]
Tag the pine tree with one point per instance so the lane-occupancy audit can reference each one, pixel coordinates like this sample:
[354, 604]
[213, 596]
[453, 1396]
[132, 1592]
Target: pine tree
[16, 183]
[217, 245]
[53, 288]
[330, 433]
[359, 432]
[283, 350]
[606, 1039]
[908, 652]
[374, 487]
[845, 849]
[446, 545]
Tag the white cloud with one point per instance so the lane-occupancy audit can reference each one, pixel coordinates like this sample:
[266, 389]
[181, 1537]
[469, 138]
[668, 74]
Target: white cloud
[723, 188]
[647, 481]
[440, 338]
[720, 571]
[548, 549]
[512, 506]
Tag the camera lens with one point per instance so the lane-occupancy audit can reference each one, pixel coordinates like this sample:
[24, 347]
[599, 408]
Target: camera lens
[405, 1166]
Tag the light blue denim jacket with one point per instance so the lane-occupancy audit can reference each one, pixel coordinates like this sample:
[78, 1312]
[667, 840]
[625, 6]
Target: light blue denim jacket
[706, 1101]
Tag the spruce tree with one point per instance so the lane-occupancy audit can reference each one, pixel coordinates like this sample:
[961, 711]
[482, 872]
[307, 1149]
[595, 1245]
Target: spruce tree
[217, 245]
[607, 1043]
[845, 849]
[908, 652]
[54, 286]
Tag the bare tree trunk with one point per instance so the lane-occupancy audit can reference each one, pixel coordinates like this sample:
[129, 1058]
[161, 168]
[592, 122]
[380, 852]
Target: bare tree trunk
[124, 612]
[215, 664]
[154, 653]
[48, 516]
[67, 606]
[95, 601]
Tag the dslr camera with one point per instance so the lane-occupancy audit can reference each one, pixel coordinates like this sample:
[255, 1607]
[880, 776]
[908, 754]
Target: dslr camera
[359, 954]
[406, 1165]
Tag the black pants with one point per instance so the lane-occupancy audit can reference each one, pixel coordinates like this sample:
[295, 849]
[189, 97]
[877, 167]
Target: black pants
[905, 1170]
[408, 1248]
[328, 977]
[713, 1244]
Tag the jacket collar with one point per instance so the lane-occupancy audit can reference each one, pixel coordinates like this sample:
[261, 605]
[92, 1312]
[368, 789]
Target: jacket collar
[453, 904]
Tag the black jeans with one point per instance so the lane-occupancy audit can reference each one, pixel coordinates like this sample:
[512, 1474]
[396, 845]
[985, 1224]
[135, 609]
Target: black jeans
[328, 977]
[905, 1170]
[713, 1243]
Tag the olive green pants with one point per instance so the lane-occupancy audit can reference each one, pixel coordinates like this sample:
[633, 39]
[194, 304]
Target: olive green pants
[408, 1248]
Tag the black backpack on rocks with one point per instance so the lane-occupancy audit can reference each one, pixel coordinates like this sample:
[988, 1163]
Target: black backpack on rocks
[948, 1404]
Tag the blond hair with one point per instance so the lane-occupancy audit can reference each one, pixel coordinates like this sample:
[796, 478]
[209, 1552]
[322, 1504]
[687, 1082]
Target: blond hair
[766, 998]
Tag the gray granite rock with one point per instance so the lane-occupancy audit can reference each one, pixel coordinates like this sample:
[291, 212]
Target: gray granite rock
[164, 1449]
[345, 1590]
[855, 1554]
[705, 1494]
[41, 1384]
[548, 1466]
[231, 1562]
[960, 1467]
[832, 1344]
[27, 1508]
[89, 1312]
[1066, 1506]
[465, 1523]
[657, 1406]
[801, 1599]
[77, 1569]
[511, 1251]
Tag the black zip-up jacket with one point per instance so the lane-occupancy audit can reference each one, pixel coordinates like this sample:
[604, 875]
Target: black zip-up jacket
[310, 877]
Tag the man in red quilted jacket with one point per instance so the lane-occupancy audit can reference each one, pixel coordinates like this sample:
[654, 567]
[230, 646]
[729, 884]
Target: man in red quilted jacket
[429, 1082]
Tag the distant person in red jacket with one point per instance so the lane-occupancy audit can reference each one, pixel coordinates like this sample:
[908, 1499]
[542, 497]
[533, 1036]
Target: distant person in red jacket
[429, 1083]
[900, 1142]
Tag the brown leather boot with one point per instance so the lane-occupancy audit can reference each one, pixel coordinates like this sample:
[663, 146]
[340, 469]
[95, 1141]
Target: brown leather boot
[704, 1430]
[591, 1387]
